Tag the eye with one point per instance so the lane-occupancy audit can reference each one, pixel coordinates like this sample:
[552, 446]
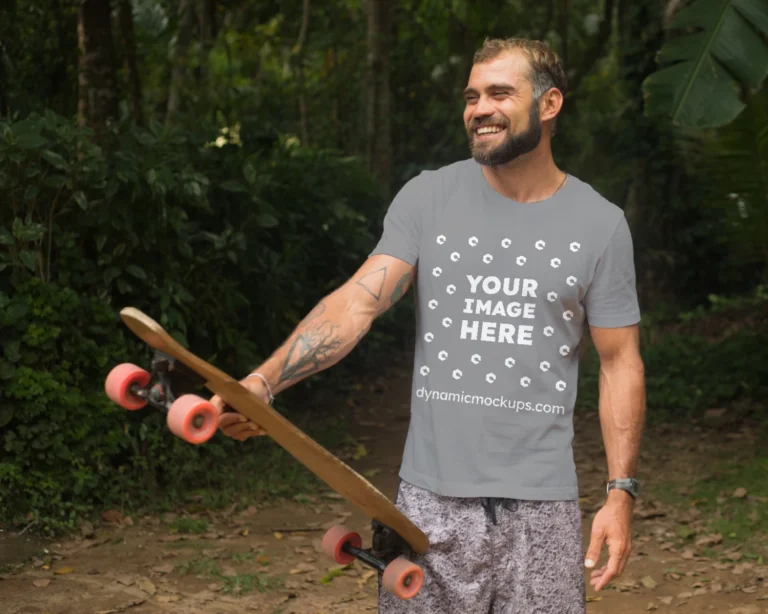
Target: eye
[470, 99]
[500, 95]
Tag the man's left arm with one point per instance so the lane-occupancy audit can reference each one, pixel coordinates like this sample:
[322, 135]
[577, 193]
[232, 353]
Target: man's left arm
[622, 418]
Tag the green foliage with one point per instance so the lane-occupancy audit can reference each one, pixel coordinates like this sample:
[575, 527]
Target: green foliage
[227, 246]
[687, 374]
[723, 47]
[60, 440]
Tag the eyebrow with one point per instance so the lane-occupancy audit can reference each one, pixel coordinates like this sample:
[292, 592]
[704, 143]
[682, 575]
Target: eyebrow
[492, 87]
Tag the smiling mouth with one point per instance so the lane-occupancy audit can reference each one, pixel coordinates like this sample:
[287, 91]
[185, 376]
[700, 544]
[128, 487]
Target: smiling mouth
[489, 130]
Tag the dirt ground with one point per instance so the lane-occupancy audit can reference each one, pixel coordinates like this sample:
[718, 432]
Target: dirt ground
[267, 559]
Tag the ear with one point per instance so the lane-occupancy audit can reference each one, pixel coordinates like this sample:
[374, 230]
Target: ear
[550, 104]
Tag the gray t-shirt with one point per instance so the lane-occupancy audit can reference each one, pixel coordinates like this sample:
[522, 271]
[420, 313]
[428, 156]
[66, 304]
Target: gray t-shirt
[504, 290]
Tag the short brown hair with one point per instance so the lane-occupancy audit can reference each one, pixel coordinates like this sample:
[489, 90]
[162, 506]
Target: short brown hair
[546, 67]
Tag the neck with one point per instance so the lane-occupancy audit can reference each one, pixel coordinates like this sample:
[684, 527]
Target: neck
[529, 178]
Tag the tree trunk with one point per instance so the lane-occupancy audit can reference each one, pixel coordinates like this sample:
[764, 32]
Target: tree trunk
[206, 18]
[179, 58]
[300, 83]
[97, 98]
[129, 54]
[378, 131]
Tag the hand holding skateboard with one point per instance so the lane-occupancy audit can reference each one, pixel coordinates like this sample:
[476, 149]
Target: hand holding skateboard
[234, 424]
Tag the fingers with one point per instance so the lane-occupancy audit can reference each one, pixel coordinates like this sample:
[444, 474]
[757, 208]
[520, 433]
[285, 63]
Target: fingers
[218, 403]
[600, 580]
[238, 427]
[619, 555]
[595, 545]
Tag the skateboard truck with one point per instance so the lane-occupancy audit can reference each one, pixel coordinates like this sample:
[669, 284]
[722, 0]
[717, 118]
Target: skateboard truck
[188, 416]
[398, 575]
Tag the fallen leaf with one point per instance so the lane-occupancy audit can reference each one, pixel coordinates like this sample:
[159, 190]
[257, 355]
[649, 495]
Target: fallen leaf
[163, 569]
[740, 493]
[167, 598]
[278, 535]
[593, 599]
[366, 577]
[302, 568]
[649, 582]
[62, 571]
[121, 608]
[112, 516]
[709, 540]
[86, 529]
[147, 586]
[666, 600]
[41, 583]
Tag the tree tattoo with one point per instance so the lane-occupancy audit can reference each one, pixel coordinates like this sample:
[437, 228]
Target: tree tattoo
[311, 348]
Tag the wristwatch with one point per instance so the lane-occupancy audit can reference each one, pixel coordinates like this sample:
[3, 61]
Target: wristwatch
[631, 485]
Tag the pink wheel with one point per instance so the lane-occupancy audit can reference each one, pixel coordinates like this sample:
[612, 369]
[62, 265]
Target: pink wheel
[402, 578]
[334, 540]
[193, 419]
[118, 385]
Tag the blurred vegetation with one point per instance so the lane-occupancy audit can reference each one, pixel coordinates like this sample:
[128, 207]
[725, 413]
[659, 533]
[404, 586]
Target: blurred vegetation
[222, 166]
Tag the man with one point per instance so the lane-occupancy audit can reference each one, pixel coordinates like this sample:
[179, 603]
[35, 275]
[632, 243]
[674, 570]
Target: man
[515, 258]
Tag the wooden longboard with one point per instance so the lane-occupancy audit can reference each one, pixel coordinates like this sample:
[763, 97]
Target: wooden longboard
[337, 474]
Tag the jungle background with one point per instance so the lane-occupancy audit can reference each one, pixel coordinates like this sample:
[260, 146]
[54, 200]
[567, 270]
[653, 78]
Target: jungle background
[222, 165]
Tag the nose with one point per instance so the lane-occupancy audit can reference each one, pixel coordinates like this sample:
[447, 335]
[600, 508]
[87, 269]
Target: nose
[483, 108]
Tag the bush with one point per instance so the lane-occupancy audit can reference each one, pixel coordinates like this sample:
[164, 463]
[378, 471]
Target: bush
[687, 374]
[227, 247]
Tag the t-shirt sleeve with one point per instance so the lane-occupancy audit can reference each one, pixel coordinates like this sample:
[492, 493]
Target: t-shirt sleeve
[611, 300]
[401, 235]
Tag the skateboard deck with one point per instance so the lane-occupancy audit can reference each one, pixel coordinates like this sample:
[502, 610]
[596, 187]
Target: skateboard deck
[331, 470]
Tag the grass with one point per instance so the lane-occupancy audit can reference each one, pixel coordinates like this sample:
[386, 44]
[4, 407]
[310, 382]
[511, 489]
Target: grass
[188, 525]
[238, 584]
[735, 518]
[741, 521]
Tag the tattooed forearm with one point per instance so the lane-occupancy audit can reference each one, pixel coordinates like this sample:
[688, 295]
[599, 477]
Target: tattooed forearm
[311, 350]
[400, 289]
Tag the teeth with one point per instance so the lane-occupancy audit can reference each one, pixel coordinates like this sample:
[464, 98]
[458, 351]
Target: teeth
[489, 130]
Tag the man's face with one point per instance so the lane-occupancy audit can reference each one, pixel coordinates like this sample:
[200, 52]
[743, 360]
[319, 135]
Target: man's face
[501, 118]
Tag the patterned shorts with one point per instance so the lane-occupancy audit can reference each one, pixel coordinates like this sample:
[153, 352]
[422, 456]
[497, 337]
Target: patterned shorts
[494, 556]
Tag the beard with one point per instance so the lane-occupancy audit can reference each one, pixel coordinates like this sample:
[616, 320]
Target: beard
[513, 145]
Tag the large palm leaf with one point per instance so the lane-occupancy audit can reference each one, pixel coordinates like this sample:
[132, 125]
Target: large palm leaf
[722, 46]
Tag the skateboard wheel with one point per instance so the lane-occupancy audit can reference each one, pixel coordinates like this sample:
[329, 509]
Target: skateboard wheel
[118, 385]
[334, 540]
[193, 419]
[402, 578]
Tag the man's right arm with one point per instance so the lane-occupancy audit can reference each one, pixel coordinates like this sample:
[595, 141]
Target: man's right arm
[328, 333]
[338, 322]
